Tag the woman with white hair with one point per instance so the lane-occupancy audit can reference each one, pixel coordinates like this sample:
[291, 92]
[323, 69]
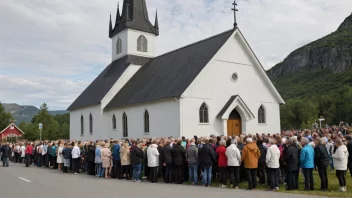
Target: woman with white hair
[234, 162]
[222, 163]
[340, 158]
[273, 164]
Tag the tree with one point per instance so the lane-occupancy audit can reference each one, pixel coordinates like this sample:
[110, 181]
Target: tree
[51, 128]
[5, 118]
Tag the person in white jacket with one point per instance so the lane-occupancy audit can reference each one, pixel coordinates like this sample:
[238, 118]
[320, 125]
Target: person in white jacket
[234, 162]
[273, 164]
[153, 162]
[340, 158]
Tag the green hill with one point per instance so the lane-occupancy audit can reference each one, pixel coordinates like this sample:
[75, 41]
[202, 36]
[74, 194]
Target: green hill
[316, 80]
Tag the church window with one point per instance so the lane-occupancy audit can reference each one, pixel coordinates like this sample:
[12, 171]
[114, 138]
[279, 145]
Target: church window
[125, 125]
[234, 77]
[91, 124]
[114, 122]
[118, 46]
[146, 121]
[142, 44]
[203, 114]
[82, 125]
[261, 115]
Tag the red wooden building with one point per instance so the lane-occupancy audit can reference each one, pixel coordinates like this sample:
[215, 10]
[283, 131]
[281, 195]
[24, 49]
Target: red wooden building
[11, 133]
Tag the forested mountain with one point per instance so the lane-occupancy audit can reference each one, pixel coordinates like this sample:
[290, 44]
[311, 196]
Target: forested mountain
[316, 80]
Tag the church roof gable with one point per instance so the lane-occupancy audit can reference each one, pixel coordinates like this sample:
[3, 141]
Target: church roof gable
[170, 74]
[97, 90]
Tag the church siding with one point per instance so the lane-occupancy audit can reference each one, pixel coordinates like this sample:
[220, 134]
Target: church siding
[98, 127]
[164, 119]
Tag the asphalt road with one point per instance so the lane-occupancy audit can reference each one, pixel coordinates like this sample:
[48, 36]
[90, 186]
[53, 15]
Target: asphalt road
[18, 181]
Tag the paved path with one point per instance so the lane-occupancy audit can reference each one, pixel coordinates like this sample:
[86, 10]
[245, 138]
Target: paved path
[18, 181]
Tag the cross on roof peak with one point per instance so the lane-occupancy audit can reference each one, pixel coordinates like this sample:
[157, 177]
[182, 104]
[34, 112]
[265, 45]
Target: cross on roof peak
[234, 13]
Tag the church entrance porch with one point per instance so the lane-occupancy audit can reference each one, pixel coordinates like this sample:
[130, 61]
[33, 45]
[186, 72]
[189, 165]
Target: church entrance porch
[234, 115]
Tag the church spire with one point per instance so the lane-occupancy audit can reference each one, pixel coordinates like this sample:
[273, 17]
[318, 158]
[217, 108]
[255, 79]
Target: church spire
[127, 12]
[118, 16]
[110, 26]
[156, 24]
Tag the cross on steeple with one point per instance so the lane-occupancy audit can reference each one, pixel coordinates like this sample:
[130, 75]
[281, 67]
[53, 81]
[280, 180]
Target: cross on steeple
[234, 13]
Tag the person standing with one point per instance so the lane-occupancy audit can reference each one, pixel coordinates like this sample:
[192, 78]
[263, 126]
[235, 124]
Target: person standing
[340, 158]
[76, 154]
[106, 159]
[137, 157]
[291, 157]
[28, 152]
[125, 156]
[234, 162]
[307, 163]
[207, 158]
[178, 157]
[222, 163]
[6, 154]
[53, 153]
[169, 168]
[153, 162]
[272, 160]
[321, 161]
[22, 153]
[91, 158]
[116, 160]
[250, 156]
[261, 162]
[60, 157]
[349, 148]
[66, 152]
[192, 159]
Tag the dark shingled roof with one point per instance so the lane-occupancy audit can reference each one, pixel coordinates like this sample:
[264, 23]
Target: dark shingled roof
[170, 74]
[134, 16]
[96, 91]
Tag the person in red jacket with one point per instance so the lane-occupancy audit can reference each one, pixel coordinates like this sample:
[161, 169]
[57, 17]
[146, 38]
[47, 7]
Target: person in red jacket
[28, 152]
[222, 163]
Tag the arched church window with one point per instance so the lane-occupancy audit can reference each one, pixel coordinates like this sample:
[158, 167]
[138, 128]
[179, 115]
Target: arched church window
[146, 122]
[142, 44]
[114, 122]
[125, 125]
[203, 114]
[82, 125]
[90, 124]
[261, 115]
[118, 46]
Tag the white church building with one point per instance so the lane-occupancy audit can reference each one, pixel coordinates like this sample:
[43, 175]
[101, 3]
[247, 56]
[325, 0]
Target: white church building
[214, 86]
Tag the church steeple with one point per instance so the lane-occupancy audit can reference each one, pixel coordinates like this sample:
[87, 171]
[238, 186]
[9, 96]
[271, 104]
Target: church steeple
[118, 17]
[135, 16]
[110, 27]
[156, 24]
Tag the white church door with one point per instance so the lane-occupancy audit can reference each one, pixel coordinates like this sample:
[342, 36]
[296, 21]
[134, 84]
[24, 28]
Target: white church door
[234, 127]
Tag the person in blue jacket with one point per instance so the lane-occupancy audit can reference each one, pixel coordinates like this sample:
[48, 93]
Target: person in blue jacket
[117, 160]
[307, 164]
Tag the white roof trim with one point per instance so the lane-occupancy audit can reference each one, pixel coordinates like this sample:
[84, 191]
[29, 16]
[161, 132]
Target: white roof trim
[241, 108]
[12, 124]
[261, 70]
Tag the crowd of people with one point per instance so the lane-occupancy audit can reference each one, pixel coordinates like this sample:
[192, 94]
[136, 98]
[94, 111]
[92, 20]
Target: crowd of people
[271, 159]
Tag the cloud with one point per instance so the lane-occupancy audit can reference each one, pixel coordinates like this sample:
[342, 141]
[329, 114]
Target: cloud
[51, 50]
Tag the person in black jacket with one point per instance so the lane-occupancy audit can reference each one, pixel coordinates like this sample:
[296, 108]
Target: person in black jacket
[349, 148]
[207, 156]
[137, 157]
[90, 158]
[169, 168]
[178, 157]
[6, 154]
[321, 161]
[291, 159]
[261, 162]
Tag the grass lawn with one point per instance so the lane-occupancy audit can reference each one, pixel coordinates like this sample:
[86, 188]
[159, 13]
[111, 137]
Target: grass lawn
[332, 190]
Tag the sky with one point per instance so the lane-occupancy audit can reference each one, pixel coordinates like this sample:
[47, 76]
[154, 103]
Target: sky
[50, 51]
